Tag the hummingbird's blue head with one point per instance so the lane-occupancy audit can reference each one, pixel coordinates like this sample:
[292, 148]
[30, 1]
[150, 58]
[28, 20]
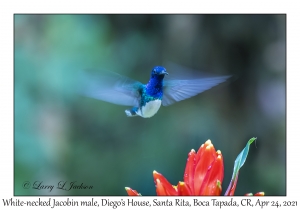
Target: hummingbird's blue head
[159, 71]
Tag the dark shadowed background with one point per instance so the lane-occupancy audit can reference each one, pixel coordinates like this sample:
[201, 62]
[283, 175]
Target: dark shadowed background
[62, 136]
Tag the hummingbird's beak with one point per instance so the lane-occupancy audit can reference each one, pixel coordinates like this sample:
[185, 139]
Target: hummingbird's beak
[164, 72]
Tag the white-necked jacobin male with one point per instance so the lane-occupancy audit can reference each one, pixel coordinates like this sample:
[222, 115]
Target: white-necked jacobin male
[146, 99]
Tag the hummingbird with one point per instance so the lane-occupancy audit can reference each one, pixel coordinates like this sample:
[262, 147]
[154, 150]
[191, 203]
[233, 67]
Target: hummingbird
[146, 99]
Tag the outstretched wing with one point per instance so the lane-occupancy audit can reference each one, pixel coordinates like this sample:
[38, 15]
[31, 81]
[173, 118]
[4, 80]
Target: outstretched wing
[111, 87]
[177, 90]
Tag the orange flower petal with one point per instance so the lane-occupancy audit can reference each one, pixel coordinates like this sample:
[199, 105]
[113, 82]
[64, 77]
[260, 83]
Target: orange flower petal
[256, 194]
[259, 194]
[131, 191]
[184, 189]
[176, 189]
[201, 150]
[160, 190]
[205, 161]
[214, 175]
[189, 172]
[169, 189]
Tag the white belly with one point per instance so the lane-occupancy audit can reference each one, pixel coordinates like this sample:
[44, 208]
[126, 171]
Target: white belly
[149, 109]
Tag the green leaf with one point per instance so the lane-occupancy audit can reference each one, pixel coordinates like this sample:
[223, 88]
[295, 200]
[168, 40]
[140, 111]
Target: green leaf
[241, 158]
[238, 163]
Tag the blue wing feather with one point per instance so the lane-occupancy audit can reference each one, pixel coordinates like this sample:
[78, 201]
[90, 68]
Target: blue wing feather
[111, 87]
[177, 90]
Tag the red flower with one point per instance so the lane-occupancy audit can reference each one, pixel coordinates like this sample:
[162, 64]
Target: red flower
[256, 194]
[203, 175]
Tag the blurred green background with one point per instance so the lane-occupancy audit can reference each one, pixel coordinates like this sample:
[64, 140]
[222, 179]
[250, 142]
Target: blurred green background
[62, 136]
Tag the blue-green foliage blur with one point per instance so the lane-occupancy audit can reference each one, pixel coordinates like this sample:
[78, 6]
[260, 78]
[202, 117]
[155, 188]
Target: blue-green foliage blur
[62, 137]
